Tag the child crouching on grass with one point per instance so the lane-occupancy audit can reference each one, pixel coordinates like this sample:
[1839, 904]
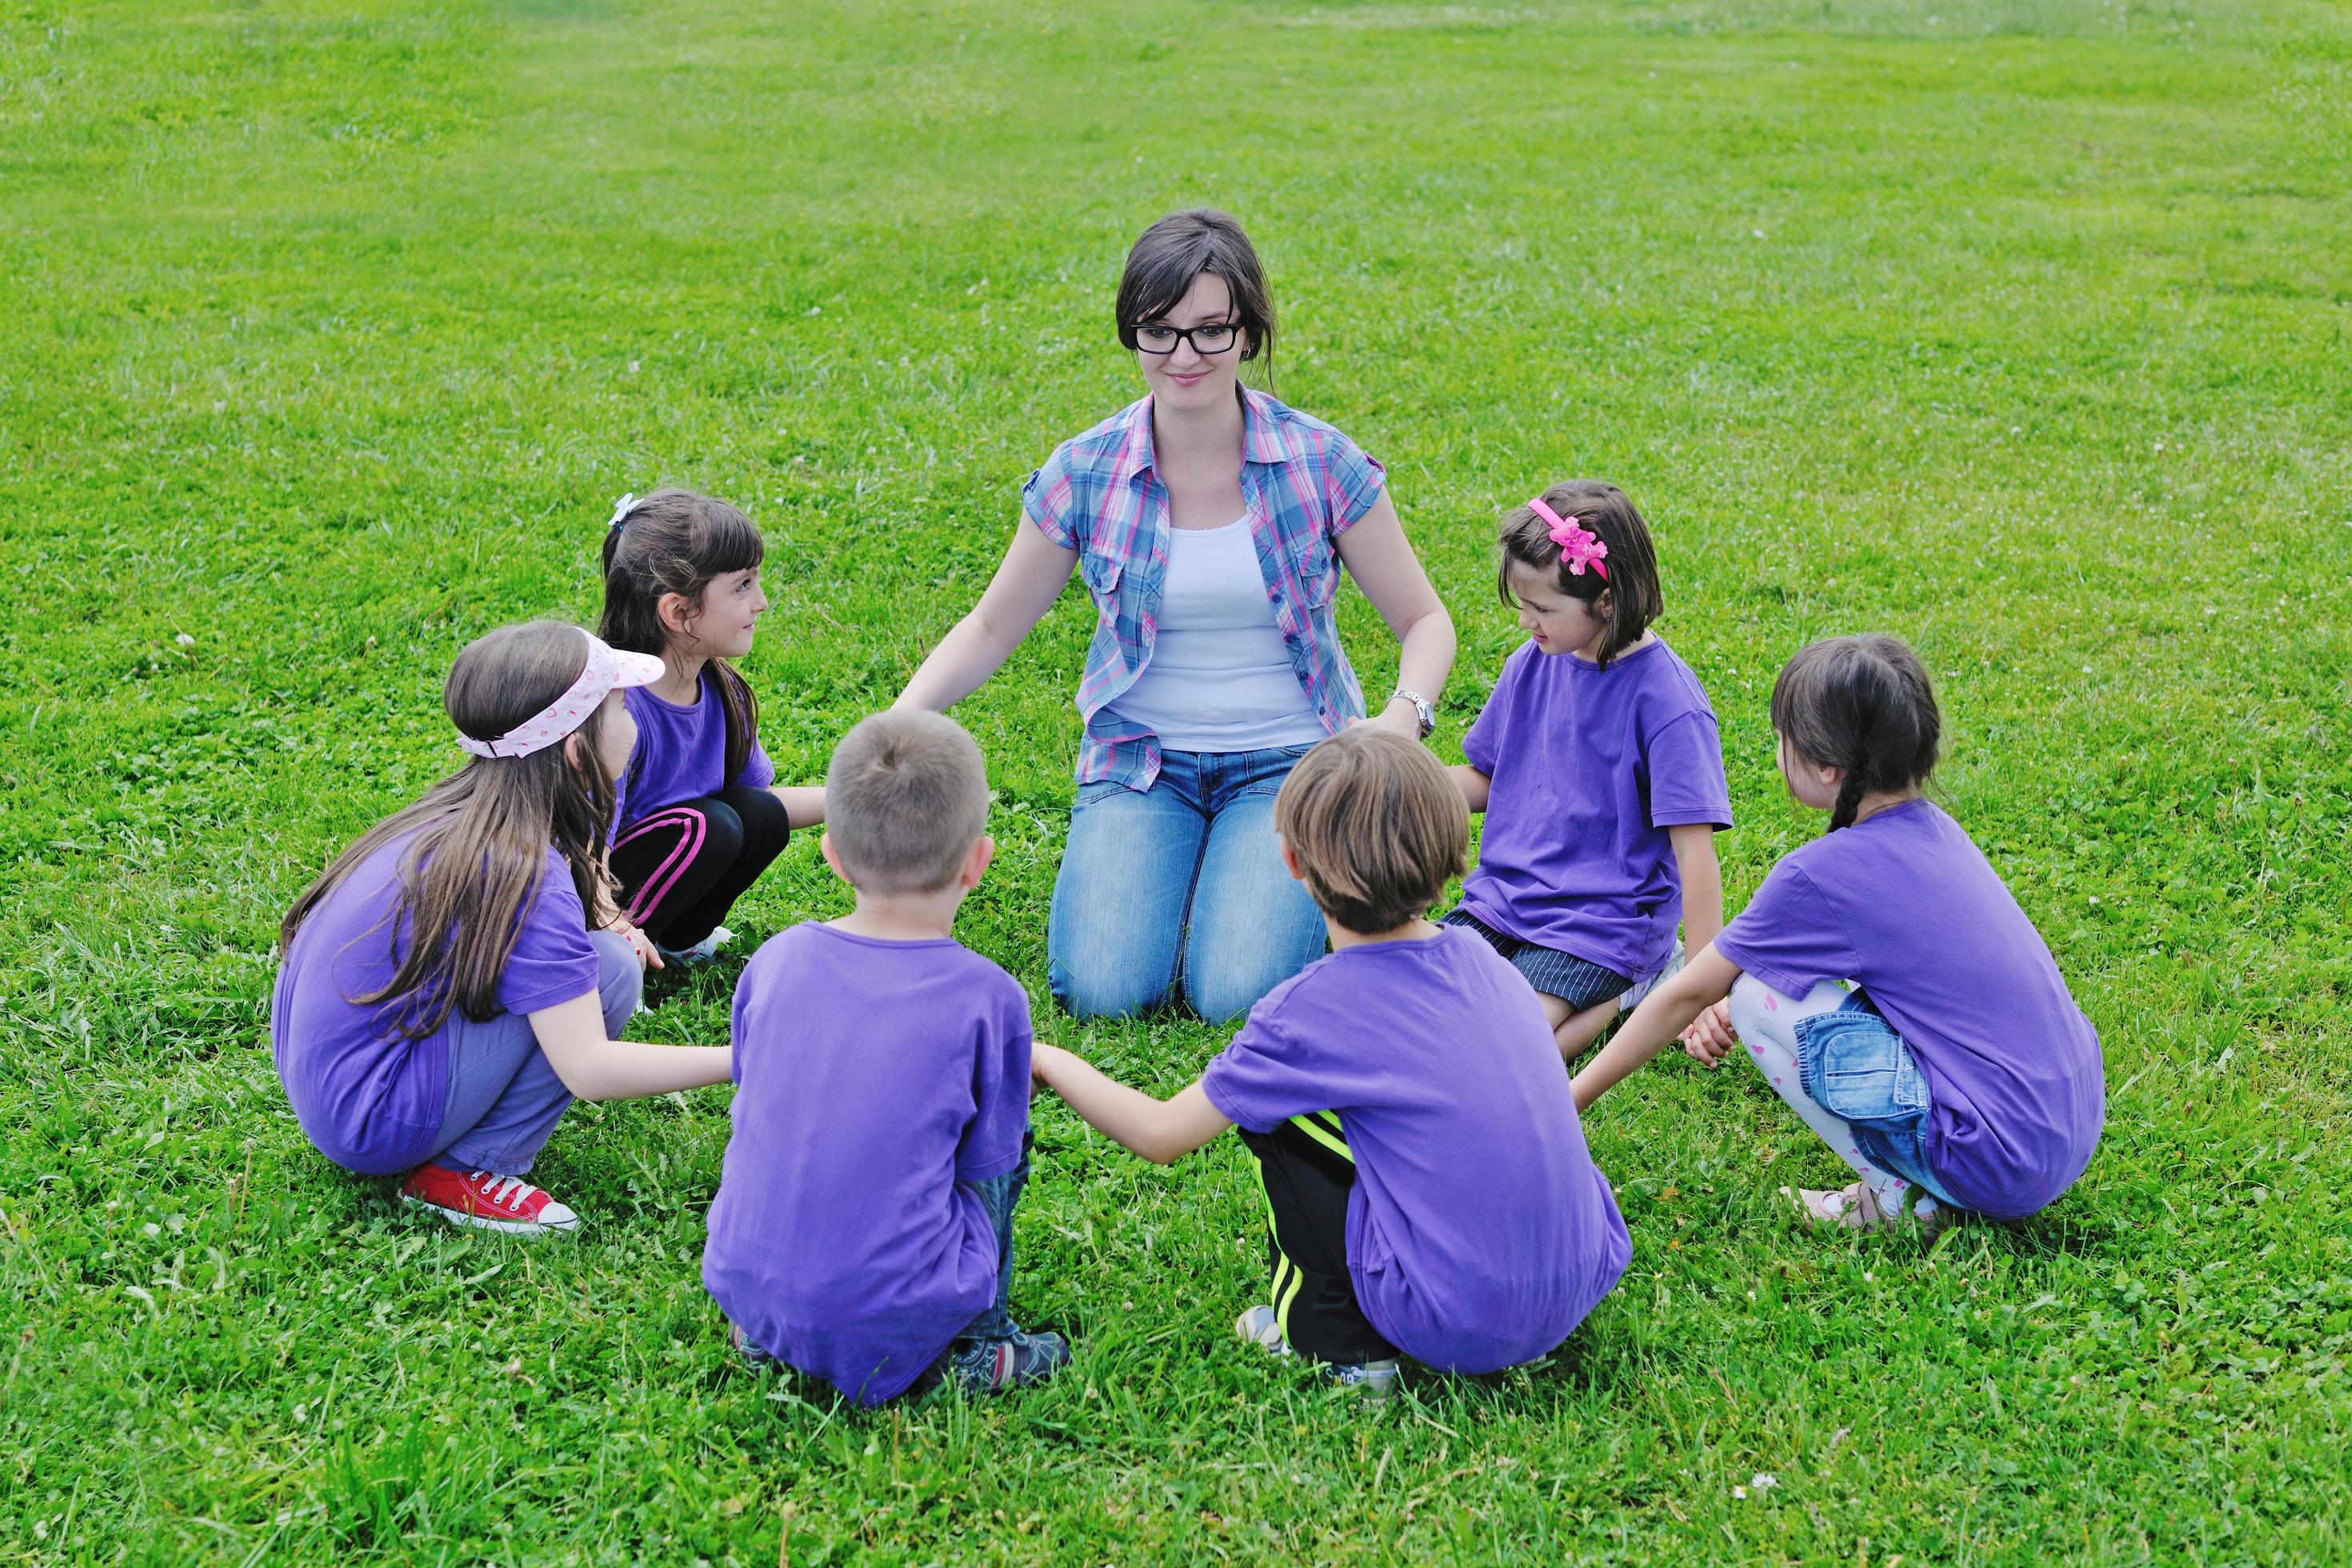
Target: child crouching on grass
[1427, 1186]
[1958, 1073]
[863, 1231]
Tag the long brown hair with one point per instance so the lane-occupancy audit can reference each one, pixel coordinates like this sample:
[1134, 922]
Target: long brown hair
[1864, 704]
[676, 542]
[481, 835]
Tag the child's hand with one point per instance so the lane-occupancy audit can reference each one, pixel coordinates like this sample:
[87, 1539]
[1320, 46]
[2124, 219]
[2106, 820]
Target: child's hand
[639, 944]
[1710, 1036]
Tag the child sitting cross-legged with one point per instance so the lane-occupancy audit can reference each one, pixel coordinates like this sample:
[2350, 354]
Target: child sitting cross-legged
[1428, 1187]
[862, 1230]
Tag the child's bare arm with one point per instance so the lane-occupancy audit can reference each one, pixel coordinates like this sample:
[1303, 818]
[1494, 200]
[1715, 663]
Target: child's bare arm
[595, 1067]
[1702, 879]
[1161, 1131]
[1472, 784]
[804, 804]
[1663, 1014]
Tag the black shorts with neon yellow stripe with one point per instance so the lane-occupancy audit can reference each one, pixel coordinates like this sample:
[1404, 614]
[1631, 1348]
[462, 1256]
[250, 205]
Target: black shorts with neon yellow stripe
[1307, 1169]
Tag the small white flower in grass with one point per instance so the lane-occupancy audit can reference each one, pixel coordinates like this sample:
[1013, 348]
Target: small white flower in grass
[1739, 1491]
[2017, 429]
[2095, 898]
[632, 367]
[1763, 1480]
[185, 640]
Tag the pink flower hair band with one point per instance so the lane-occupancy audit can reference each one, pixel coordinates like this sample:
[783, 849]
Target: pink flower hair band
[1578, 547]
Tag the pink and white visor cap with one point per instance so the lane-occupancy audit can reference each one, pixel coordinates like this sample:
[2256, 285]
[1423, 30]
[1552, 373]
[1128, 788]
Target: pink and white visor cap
[608, 669]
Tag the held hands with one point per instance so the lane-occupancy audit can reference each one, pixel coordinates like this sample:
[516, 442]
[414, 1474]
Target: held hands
[1710, 1036]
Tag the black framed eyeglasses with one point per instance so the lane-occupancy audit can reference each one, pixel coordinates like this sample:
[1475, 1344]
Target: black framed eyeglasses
[1207, 339]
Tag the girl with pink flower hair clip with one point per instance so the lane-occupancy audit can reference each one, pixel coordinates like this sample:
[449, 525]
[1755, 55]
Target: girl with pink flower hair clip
[1598, 767]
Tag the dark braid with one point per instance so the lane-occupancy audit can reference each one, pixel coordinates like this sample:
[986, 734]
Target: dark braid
[1866, 700]
[1848, 796]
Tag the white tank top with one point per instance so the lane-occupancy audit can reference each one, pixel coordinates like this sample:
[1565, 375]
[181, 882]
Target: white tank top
[1219, 678]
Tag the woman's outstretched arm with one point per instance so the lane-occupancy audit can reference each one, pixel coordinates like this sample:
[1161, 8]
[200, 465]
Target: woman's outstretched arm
[1026, 584]
[1378, 556]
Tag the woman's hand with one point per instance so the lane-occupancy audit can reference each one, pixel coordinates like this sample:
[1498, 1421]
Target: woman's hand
[1399, 716]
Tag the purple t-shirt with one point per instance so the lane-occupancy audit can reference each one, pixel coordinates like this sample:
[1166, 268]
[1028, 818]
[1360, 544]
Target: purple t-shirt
[372, 1101]
[1906, 905]
[1478, 1231]
[875, 1081]
[1591, 767]
[682, 752]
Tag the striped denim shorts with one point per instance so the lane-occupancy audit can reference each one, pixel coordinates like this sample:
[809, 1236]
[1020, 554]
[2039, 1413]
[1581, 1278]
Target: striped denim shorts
[1579, 982]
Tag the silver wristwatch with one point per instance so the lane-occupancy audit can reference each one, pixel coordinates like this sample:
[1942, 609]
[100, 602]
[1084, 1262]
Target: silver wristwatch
[1422, 706]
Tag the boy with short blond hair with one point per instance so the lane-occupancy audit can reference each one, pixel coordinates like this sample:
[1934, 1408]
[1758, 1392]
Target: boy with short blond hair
[862, 1230]
[1427, 1181]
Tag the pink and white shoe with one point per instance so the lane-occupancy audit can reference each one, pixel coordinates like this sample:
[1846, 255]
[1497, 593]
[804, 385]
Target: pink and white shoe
[486, 1201]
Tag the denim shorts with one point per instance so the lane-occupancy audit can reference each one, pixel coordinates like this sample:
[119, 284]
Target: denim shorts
[1854, 1065]
[1579, 982]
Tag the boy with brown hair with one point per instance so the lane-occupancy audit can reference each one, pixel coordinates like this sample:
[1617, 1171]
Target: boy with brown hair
[863, 1231]
[1427, 1184]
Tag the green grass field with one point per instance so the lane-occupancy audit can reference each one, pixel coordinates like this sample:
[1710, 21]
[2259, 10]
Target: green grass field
[328, 333]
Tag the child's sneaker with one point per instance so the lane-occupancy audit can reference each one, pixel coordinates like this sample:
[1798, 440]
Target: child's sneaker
[702, 951]
[486, 1200]
[992, 1366]
[1259, 1326]
[1376, 1378]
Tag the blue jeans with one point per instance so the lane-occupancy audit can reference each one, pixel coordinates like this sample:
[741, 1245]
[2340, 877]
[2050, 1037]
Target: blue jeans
[1189, 869]
[1855, 1067]
[998, 1195]
[504, 1097]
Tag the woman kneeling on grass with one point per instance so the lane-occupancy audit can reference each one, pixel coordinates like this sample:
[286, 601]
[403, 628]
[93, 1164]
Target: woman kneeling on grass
[1210, 523]
[1958, 1073]
[444, 990]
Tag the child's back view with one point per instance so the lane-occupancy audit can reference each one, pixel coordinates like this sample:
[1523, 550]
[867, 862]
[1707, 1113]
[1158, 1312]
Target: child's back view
[1427, 1184]
[863, 1227]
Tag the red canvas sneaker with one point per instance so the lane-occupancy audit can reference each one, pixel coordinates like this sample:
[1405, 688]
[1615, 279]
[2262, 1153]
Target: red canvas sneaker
[486, 1200]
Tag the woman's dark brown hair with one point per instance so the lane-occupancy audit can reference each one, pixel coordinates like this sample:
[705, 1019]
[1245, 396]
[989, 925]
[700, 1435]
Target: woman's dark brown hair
[1177, 249]
[1376, 826]
[1861, 703]
[1603, 510]
[676, 542]
[482, 833]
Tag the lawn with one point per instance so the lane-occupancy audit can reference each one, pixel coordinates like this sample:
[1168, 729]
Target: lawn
[329, 332]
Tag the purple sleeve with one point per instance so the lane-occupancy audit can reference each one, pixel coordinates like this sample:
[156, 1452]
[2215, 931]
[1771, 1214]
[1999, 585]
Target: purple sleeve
[1045, 500]
[1264, 1078]
[758, 772]
[1687, 782]
[999, 1085]
[1353, 479]
[1788, 936]
[552, 960]
[1482, 743]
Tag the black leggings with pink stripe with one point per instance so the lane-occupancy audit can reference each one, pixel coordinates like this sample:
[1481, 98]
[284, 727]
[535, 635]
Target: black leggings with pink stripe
[682, 868]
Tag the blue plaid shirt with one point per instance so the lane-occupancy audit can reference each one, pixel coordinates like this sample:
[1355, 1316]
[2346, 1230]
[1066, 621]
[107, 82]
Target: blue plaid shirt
[1304, 483]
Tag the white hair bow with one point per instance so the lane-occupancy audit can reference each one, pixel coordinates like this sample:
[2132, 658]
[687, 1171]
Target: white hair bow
[620, 510]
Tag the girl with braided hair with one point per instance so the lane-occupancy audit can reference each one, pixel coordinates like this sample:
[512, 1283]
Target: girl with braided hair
[1883, 977]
